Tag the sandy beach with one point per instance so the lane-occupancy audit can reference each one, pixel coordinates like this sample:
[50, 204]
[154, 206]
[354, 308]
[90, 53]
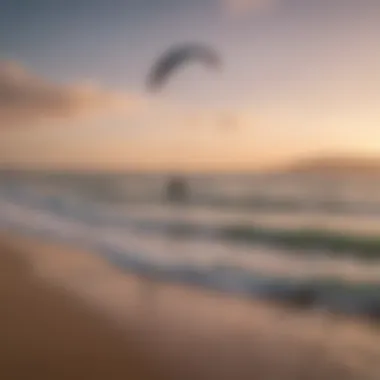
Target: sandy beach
[46, 334]
[67, 314]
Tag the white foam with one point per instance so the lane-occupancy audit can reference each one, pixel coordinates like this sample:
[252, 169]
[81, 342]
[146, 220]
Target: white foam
[164, 250]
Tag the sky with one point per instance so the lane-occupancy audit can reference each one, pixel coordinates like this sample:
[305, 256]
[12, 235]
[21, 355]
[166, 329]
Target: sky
[299, 78]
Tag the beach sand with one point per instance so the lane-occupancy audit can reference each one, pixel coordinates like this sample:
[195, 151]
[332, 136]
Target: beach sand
[67, 314]
[46, 334]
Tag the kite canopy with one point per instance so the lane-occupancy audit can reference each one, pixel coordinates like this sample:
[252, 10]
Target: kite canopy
[176, 57]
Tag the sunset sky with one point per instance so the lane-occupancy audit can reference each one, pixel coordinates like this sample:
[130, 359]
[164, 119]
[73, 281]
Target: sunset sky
[300, 77]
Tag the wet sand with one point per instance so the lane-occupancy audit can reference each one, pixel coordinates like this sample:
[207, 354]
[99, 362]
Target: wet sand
[67, 314]
[46, 334]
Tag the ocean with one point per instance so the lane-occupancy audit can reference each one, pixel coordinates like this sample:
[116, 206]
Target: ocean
[270, 236]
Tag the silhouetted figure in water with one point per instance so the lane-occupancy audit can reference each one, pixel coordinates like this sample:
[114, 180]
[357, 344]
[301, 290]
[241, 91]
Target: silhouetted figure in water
[177, 190]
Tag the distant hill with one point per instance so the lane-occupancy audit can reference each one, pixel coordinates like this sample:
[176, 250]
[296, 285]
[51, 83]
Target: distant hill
[337, 165]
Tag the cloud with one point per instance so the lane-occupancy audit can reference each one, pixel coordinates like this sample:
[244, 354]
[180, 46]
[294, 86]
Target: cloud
[240, 7]
[26, 99]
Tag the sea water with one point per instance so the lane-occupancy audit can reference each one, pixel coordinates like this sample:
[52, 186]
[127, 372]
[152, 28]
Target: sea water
[256, 235]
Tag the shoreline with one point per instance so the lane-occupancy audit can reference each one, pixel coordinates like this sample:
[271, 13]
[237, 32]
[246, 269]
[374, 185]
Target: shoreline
[176, 327]
[305, 290]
